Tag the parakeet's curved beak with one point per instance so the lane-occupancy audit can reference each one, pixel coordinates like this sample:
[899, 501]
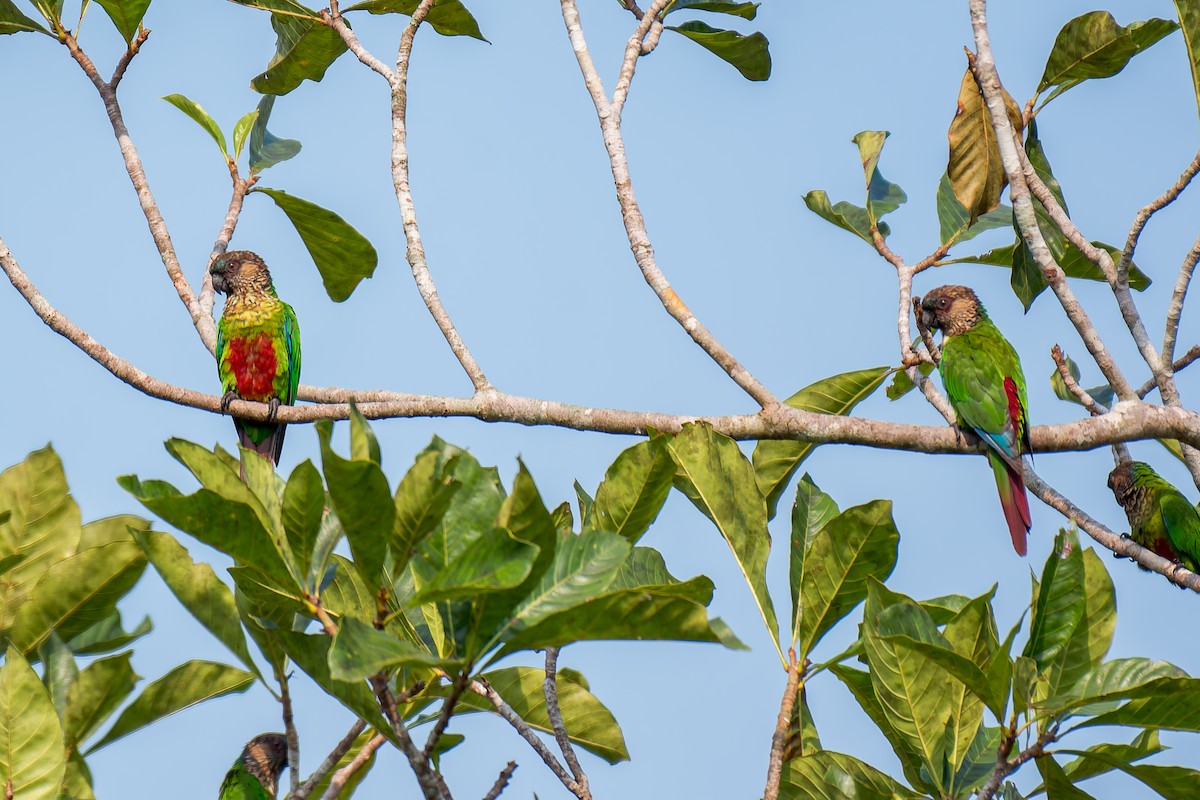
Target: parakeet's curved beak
[218, 276]
[928, 318]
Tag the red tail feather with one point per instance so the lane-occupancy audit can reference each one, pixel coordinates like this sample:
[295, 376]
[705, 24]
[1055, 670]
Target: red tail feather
[1013, 500]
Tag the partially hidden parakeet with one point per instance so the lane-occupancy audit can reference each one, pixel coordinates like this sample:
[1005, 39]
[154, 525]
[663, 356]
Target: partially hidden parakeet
[255, 773]
[1160, 517]
[984, 382]
[258, 347]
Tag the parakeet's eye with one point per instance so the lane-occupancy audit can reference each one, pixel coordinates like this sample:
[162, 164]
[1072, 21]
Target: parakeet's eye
[943, 303]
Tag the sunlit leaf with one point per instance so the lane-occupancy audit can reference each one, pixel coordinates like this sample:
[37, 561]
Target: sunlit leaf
[201, 118]
[748, 54]
[304, 50]
[32, 756]
[633, 491]
[447, 17]
[13, 21]
[974, 169]
[126, 15]
[846, 216]
[826, 775]
[1093, 45]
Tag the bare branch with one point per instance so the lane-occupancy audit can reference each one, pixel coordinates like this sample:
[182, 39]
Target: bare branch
[485, 690]
[1004, 767]
[1175, 310]
[550, 690]
[1187, 358]
[333, 18]
[1064, 372]
[784, 721]
[331, 760]
[289, 727]
[634, 50]
[457, 686]
[1144, 214]
[339, 779]
[609, 115]
[431, 784]
[207, 327]
[989, 83]
[501, 781]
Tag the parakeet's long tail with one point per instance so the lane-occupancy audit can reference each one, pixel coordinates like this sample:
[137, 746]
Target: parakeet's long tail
[266, 440]
[1011, 486]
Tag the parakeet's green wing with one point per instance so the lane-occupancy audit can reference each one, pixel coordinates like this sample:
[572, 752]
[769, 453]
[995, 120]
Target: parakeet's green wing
[241, 785]
[291, 334]
[974, 367]
[1182, 524]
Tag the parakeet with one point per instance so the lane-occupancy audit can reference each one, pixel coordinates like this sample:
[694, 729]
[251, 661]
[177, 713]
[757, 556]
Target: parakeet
[983, 379]
[1160, 517]
[258, 347]
[255, 773]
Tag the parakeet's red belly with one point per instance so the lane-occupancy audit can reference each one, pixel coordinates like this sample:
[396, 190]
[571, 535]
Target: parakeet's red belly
[253, 363]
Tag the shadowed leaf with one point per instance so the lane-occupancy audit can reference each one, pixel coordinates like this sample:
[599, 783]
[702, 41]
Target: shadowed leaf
[846, 216]
[447, 17]
[267, 149]
[1093, 45]
[13, 21]
[1189, 20]
[749, 55]
[100, 688]
[734, 8]
[955, 222]
[360, 650]
[633, 491]
[304, 50]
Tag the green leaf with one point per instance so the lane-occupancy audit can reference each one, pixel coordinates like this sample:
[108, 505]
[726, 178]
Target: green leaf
[422, 500]
[13, 21]
[200, 591]
[589, 723]
[1073, 263]
[343, 256]
[78, 592]
[126, 15]
[1112, 679]
[646, 570]
[734, 8]
[59, 670]
[633, 491]
[302, 510]
[1090, 639]
[1104, 395]
[1144, 745]
[810, 511]
[974, 169]
[583, 567]
[267, 149]
[289, 7]
[883, 197]
[107, 636]
[241, 130]
[720, 482]
[802, 737]
[749, 55]
[304, 50]
[775, 461]
[1172, 783]
[188, 684]
[1189, 20]
[1058, 785]
[978, 762]
[494, 562]
[100, 688]
[858, 543]
[971, 634]
[1172, 703]
[902, 384]
[1058, 600]
[955, 222]
[826, 775]
[77, 783]
[357, 776]
[1093, 45]
[363, 500]
[846, 216]
[43, 526]
[201, 118]
[913, 691]
[447, 17]
[360, 650]
[32, 756]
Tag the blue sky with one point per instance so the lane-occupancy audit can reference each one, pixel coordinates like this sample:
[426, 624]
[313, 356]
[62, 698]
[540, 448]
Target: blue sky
[524, 239]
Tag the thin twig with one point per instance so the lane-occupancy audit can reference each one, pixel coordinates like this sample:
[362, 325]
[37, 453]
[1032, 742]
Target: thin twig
[333, 19]
[926, 334]
[339, 779]
[331, 761]
[241, 187]
[1187, 358]
[1004, 767]
[1081, 394]
[609, 117]
[502, 781]
[782, 724]
[1143, 216]
[427, 777]
[550, 691]
[457, 686]
[1175, 310]
[633, 51]
[289, 727]
[485, 690]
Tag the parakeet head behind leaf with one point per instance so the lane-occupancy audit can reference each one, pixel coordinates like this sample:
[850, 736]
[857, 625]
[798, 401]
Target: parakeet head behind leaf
[951, 309]
[264, 757]
[240, 271]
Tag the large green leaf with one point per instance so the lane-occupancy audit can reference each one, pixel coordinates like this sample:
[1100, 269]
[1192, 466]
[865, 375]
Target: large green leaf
[13, 21]
[267, 149]
[201, 118]
[826, 775]
[914, 692]
[1172, 783]
[734, 8]
[78, 592]
[720, 481]
[43, 526]
[1058, 601]
[108, 635]
[810, 511]
[589, 723]
[1084, 766]
[1093, 45]
[302, 509]
[1058, 785]
[290, 7]
[633, 491]
[845, 215]
[186, 685]
[860, 685]
[494, 562]
[447, 17]
[1189, 20]
[200, 591]
[1073, 263]
[363, 500]
[1089, 641]
[304, 50]
[645, 569]
[32, 756]
[775, 461]
[126, 15]
[360, 650]
[583, 567]
[100, 688]
[859, 543]
[422, 499]
[1172, 703]
[343, 256]
[972, 635]
[955, 222]
[974, 169]
[749, 55]
[1111, 679]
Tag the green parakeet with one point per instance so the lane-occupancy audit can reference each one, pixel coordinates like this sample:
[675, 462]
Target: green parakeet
[255, 773]
[984, 382]
[258, 347]
[1160, 517]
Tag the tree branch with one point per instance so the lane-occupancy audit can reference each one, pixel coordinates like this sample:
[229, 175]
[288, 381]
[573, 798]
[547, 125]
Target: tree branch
[550, 690]
[1004, 767]
[333, 18]
[784, 721]
[289, 727]
[1147, 211]
[501, 781]
[1175, 310]
[457, 686]
[339, 779]
[431, 785]
[331, 760]
[609, 115]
